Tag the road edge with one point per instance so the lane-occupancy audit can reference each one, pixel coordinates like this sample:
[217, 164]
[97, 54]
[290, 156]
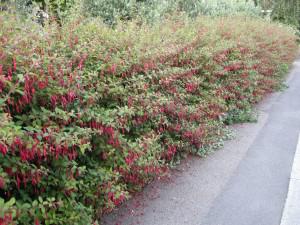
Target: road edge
[291, 211]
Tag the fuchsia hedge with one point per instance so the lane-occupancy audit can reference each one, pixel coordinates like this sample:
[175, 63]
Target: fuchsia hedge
[90, 114]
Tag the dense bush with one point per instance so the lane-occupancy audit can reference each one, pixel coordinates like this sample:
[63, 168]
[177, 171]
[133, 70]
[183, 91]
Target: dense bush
[90, 114]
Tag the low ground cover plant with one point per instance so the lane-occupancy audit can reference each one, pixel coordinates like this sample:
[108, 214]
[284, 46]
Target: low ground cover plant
[91, 114]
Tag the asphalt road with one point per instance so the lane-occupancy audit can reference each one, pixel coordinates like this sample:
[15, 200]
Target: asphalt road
[245, 183]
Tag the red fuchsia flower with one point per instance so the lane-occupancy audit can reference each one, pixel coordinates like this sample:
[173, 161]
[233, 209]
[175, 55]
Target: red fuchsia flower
[70, 78]
[130, 102]
[9, 171]
[116, 143]
[109, 131]
[146, 67]
[9, 74]
[71, 96]
[62, 82]
[42, 84]
[171, 152]
[220, 74]
[7, 219]
[64, 101]
[110, 195]
[1, 69]
[220, 58]
[35, 178]
[24, 154]
[190, 87]
[51, 71]
[131, 158]
[72, 155]
[80, 65]
[3, 149]
[18, 182]
[53, 100]
[116, 201]
[76, 40]
[233, 67]
[113, 69]
[36, 221]
[119, 200]
[177, 127]
[18, 142]
[187, 135]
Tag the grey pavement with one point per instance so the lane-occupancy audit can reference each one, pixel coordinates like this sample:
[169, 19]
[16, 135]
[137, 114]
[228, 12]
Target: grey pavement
[244, 183]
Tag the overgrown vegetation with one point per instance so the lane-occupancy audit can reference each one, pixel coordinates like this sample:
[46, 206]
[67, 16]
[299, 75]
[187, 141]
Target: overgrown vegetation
[287, 11]
[90, 114]
[111, 11]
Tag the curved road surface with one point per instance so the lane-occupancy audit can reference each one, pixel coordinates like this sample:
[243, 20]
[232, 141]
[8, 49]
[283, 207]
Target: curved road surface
[245, 183]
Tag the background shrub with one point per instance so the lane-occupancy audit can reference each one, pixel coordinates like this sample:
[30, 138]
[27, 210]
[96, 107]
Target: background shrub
[153, 10]
[219, 7]
[111, 11]
[287, 12]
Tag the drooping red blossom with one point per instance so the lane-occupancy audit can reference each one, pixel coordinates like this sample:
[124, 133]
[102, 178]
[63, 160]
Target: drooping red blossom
[116, 201]
[3, 149]
[36, 221]
[130, 102]
[53, 100]
[7, 219]
[191, 87]
[43, 84]
[171, 152]
[9, 74]
[131, 157]
[71, 96]
[51, 71]
[113, 69]
[80, 65]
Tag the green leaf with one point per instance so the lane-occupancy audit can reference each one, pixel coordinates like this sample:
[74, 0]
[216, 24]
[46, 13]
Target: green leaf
[11, 202]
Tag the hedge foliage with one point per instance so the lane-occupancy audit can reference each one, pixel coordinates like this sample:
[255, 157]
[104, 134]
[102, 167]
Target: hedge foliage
[90, 114]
